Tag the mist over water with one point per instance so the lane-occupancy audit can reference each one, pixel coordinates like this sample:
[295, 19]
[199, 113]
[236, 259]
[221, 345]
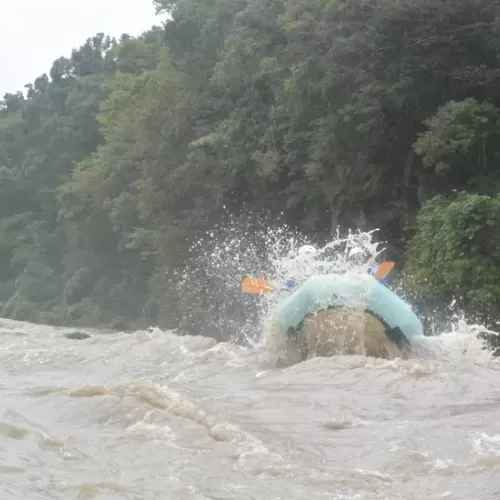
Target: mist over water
[154, 414]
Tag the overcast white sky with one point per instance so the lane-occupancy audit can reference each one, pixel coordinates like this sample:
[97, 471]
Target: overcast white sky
[33, 33]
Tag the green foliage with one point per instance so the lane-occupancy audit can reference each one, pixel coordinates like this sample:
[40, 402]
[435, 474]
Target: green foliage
[42, 139]
[455, 252]
[462, 143]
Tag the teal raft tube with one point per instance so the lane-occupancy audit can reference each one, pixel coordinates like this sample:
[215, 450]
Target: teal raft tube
[352, 291]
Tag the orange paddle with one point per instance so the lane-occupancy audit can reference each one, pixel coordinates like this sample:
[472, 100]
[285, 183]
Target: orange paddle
[383, 270]
[257, 285]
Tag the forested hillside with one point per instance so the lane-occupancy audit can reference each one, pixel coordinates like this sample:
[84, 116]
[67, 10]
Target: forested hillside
[352, 113]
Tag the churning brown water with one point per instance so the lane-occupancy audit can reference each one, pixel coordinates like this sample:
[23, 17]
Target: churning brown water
[151, 415]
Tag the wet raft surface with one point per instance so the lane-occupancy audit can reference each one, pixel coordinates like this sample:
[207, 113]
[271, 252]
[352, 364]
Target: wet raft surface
[150, 415]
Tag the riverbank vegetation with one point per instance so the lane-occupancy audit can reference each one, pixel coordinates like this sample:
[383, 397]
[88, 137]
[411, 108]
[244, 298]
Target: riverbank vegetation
[350, 113]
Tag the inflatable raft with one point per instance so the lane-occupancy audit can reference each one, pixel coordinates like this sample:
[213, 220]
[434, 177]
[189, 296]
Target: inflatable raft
[353, 307]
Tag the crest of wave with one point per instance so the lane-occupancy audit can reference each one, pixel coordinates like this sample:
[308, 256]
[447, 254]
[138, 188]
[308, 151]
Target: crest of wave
[456, 341]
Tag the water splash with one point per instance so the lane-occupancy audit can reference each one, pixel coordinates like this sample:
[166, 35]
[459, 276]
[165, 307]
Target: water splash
[460, 342]
[245, 247]
[334, 256]
[210, 283]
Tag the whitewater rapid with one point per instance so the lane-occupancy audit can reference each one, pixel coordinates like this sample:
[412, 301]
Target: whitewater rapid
[151, 415]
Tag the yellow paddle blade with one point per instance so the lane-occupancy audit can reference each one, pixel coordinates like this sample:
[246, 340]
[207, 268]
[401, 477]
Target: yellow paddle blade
[257, 285]
[383, 270]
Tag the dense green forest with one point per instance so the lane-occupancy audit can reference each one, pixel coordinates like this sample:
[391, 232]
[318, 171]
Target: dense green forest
[350, 113]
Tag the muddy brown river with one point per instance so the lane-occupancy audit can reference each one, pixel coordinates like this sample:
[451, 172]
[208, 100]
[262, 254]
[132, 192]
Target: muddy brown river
[151, 415]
